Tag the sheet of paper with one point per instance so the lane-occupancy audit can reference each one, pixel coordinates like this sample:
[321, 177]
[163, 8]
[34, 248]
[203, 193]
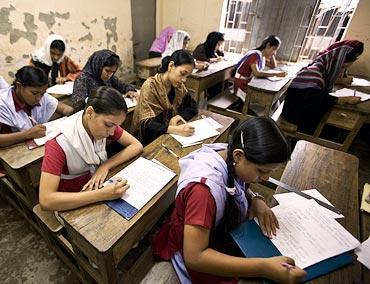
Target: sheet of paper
[61, 89]
[146, 178]
[363, 253]
[130, 102]
[263, 83]
[345, 92]
[52, 130]
[204, 128]
[365, 206]
[358, 82]
[309, 236]
[291, 197]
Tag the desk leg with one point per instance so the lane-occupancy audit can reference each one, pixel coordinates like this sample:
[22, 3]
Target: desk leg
[352, 134]
[107, 268]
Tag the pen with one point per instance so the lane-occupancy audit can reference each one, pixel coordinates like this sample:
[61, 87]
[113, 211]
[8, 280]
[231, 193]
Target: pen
[354, 93]
[33, 121]
[287, 265]
[170, 151]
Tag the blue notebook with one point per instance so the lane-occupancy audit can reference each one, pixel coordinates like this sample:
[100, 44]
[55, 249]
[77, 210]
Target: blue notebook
[253, 243]
[122, 207]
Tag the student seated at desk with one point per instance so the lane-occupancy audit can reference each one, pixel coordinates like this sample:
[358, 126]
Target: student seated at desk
[24, 106]
[164, 101]
[99, 71]
[343, 77]
[210, 50]
[160, 44]
[213, 197]
[307, 98]
[75, 164]
[52, 59]
[254, 61]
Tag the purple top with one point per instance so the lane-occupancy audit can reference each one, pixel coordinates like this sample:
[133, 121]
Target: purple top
[160, 43]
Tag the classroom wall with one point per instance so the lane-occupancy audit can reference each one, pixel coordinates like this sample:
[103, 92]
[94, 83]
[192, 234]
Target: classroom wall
[24, 25]
[197, 17]
[359, 29]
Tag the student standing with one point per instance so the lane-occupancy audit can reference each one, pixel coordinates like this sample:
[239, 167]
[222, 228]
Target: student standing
[307, 99]
[24, 106]
[254, 61]
[210, 50]
[213, 197]
[160, 44]
[164, 104]
[99, 71]
[52, 59]
[75, 164]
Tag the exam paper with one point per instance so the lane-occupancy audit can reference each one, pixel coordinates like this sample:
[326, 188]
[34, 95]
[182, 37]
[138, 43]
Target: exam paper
[146, 178]
[309, 236]
[204, 128]
[358, 82]
[363, 253]
[349, 92]
[61, 89]
[52, 130]
[293, 198]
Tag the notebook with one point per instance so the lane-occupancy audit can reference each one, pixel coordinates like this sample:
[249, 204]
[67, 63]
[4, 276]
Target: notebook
[349, 92]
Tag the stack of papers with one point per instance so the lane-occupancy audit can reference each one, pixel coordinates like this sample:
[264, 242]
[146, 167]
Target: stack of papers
[308, 235]
[349, 92]
[61, 89]
[141, 189]
[204, 128]
[358, 82]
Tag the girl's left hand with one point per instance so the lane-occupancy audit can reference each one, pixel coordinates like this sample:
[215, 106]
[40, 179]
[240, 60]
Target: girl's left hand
[131, 95]
[97, 179]
[266, 218]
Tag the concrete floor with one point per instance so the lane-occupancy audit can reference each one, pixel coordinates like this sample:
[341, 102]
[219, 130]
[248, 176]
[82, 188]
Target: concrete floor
[25, 258]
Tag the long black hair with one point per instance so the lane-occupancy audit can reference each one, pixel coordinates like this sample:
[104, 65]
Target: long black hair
[179, 57]
[272, 40]
[30, 76]
[112, 60]
[210, 44]
[262, 143]
[106, 100]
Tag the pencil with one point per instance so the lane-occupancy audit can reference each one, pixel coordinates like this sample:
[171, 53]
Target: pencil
[33, 121]
[354, 93]
[192, 144]
[170, 151]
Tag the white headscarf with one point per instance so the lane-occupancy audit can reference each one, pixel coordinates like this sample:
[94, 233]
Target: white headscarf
[43, 54]
[176, 43]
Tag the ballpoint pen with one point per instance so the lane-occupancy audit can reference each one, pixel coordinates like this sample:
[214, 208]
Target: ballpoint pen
[33, 121]
[170, 151]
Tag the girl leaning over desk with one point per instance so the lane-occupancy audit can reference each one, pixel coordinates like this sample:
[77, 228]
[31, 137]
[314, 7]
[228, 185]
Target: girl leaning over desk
[75, 164]
[213, 197]
[254, 61]
[25, 105]
[307, 98]
[164, 104]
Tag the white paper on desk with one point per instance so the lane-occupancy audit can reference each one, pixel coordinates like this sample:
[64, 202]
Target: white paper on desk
[349, 92]
[241, 94]
[358, 82]
[146, 178]
[52, 130]
[309, 236]
[204, 128]
[61, 89]
[263, 83]
[291, 197]
[363, 253]
[130, 102]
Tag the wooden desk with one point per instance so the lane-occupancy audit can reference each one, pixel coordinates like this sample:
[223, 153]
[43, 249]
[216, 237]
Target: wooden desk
[335, 175]
[147, 67]
[105, 237]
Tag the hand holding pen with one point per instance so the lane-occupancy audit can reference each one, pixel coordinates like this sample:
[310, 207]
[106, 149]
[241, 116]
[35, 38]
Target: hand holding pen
[37, 131]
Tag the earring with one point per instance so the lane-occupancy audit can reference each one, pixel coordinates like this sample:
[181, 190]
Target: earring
[234, 164]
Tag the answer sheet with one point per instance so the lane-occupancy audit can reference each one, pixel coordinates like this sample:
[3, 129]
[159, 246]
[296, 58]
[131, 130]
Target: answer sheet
[61, 89]
[309, 236]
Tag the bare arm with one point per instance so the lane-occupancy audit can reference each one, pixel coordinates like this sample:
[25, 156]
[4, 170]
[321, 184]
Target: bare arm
[64, 109]
[199, 257]
[51, 199]
[13, 138]
[263, 74]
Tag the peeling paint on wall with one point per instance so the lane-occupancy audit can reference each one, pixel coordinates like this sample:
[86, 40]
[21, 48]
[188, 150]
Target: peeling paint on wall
[25, 56]
[29, 34]
[5, 24]
[110, 25]
[9, 59]
[84, 25]
[49, 19]
[11, 74]
[86, 37]
[94, 21]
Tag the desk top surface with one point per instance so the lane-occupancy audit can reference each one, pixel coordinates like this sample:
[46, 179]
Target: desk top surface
[102, 226]
[335, 175]
[17, 156]
[149, 62]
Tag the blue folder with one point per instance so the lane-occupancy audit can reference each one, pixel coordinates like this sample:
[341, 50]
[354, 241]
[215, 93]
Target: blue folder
[123, 208]
[253, 243]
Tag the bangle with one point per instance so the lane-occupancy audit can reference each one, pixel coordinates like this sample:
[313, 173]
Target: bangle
[256, 195]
